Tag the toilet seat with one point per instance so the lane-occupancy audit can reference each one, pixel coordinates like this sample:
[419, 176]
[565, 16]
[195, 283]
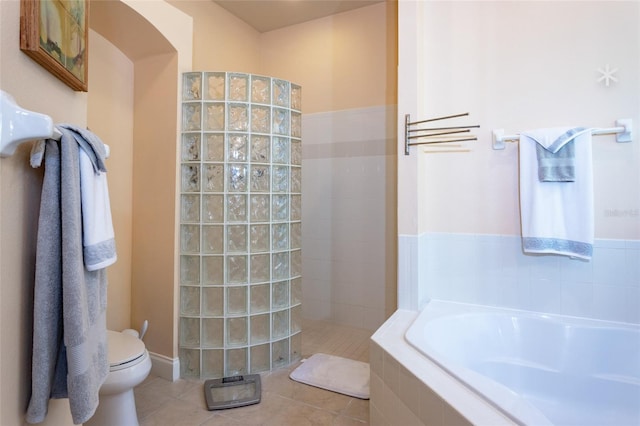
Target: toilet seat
[124, 350]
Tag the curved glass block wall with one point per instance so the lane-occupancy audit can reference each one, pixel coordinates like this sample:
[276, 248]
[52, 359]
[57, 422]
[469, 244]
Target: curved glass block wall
[240, 228]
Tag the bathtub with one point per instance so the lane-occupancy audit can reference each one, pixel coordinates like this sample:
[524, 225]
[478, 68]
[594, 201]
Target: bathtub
[536, 369]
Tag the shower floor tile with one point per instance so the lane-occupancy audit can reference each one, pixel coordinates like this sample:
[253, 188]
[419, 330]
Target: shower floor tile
[284, 401]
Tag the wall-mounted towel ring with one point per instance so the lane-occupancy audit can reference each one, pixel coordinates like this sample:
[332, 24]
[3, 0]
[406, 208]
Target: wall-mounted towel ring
[18, 125]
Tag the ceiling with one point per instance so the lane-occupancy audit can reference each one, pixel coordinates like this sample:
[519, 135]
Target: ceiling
[269, 15]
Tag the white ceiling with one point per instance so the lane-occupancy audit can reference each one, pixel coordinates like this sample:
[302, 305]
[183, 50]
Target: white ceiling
[269, 15]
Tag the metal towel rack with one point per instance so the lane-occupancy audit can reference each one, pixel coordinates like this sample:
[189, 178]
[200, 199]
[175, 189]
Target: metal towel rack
[434, 135]
[623, 133]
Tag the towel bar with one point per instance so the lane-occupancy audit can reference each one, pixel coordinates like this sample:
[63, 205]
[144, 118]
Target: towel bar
[444, 134]
[623, 133]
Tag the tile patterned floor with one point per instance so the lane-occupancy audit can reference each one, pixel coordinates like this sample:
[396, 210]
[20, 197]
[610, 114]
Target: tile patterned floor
[284, 401]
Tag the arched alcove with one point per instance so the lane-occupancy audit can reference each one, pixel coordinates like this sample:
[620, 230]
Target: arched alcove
[156, 38]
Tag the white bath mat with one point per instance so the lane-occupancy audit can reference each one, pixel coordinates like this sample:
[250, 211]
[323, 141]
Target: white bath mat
[334, 373]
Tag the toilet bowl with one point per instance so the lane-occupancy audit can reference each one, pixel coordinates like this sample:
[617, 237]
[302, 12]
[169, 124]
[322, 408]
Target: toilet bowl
[129, 365]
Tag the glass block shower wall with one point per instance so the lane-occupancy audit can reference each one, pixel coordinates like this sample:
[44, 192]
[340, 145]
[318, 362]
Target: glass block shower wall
[240, 224]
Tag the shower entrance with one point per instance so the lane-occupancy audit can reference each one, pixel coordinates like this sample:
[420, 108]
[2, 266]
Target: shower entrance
[240, 224]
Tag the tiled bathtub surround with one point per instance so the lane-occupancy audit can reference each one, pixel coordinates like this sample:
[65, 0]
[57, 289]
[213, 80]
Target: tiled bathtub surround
[492, 270]
[240, 224]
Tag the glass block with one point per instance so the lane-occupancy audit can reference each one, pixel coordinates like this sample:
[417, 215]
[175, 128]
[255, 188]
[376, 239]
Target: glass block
[236, 362]
[280, 236]
[190, 178]
[189, 270]
[237, 300]
[280, 92]
[280, 324]
[213, 332]
[190, 146]
[214, 86]
[259, 238]
[280, 266]
[296, 207]
[296, 263]
[296, 152]
[260, 119]
[213, 239]
[191, 117]
[190, 208]
[237, 331]
[189, 332]
[213, 301]
[214, 116]
[280, 295]
[260, 178]
[295, 350]
[213, 363]
[295, 235]
[236, 208]
[280, 179]
[213, 208]
[260, 89]
[280, 150]
[296, 179]
[239, 87]
[296, 125]
[260, 268]
[189, 301]
[237, 177]
[260, 208]
[213, 178]
[296, 291]
[296, 97]
[237, 147]
[212, 270]
[237, 269]
[260, 329]
[280, 121]
[260, 359]
[260, 149]
[280, 353]
[213, 147]
[237, 239]
[189, 363]
[192, 86]
[259, 298]
[189, 238]
[280, 207]
[238, 119]
[296, 319]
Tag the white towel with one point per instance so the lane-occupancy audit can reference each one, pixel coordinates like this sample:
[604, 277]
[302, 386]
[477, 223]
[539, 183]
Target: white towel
[97, 226]
[557, 217]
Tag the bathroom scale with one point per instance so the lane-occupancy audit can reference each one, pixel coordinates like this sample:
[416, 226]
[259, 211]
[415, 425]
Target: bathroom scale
[232, 392]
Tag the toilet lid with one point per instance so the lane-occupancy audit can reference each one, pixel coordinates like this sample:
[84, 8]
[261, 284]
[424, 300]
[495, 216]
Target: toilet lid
[123, 348]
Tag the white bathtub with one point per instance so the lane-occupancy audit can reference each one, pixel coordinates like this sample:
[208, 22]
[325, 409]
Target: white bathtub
[537, 369]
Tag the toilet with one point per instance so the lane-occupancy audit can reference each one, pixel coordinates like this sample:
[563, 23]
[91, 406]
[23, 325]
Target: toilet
[129, 365]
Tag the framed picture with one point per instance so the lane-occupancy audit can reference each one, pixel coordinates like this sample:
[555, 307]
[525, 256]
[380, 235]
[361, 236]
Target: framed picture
[55, 34]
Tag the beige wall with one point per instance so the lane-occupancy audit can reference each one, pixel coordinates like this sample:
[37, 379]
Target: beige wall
[343, 61]
[110, 115]
[221, 42]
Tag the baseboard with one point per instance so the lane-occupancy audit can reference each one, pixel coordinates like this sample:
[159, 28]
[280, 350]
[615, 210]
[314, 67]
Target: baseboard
[165, 367]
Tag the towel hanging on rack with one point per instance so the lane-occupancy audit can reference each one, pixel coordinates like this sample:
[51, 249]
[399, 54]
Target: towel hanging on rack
[557, 217]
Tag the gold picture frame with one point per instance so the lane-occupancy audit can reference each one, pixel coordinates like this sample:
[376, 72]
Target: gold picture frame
[54, 33]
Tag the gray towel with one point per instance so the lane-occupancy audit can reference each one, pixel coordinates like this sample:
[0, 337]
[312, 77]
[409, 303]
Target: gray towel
[69, 337]
[555, 152]
[559, 166]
